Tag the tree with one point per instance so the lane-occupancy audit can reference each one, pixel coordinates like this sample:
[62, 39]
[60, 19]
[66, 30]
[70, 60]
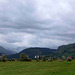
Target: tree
[54, 58]
[63, 58]
[23, 57]
[69, 59]
[50, 59]
[3, 58]
[44, 58]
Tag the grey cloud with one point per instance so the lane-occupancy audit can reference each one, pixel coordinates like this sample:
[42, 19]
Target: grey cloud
[42, 23]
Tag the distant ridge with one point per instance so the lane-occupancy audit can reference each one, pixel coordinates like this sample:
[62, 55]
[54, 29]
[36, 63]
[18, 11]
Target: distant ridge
[31, 52]
[4, 51]
[66, 50]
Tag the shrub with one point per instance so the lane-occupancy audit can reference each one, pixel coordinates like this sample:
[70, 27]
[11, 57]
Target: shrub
[24, 57]
[69, 59]
[0, 58]
[3, 58]
[13, 59]
[44, 58]
[9, 59]
[63, 58]
[54, 58]
[29, 59]
[37, 60]
[50, 59]
[60, 60]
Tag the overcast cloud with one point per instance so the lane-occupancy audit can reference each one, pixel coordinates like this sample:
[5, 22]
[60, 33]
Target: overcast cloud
[37, 23]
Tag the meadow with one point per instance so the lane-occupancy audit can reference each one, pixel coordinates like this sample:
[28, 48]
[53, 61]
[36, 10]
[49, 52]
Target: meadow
[37, 68]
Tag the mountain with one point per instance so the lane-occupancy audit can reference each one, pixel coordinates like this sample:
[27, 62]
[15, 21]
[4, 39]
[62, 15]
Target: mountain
[31, 52]
[4, 51]
[12, 52]
[67, 50]
[0, 54]
[19, 49]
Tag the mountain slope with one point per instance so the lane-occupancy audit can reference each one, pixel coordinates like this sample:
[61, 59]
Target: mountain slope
[4, 51]
[31, 52]
[37, 51]
[67, 50]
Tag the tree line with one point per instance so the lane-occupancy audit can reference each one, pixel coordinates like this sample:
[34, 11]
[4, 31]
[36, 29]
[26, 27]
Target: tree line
[24, 57]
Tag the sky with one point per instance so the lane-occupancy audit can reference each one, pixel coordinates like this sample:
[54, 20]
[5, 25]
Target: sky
[37, 23]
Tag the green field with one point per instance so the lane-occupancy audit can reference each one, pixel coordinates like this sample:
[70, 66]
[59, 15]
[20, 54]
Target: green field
[37, 68]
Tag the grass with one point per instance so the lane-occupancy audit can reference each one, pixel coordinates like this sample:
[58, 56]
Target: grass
[37, 68]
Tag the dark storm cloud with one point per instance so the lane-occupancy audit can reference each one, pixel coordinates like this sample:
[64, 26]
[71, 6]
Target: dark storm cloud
[42, 23]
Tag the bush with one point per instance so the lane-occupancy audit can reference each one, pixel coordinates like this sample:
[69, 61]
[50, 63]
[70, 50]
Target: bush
[69, 59]
[44, 58]
[29, 59]
[37, 60]
[60, 60]
[23, 57]
[9, 59]
[54, 58]
[3, 58]
[13, 59]
[50, 59]
[63, 58]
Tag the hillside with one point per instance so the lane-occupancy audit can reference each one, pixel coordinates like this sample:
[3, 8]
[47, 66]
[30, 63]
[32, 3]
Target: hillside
[31, 52]
[67, 50]
[37, 51]
[4, 51]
